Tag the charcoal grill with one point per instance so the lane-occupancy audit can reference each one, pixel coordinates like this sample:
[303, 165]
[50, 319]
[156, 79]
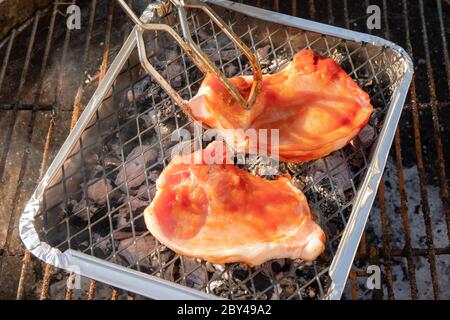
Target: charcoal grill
[314, 277]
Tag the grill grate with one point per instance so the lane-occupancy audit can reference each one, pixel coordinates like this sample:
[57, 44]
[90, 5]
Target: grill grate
[408, 149]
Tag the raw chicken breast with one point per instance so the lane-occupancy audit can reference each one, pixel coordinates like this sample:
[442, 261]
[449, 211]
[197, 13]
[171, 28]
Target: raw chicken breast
[315, 105]
[224, 214]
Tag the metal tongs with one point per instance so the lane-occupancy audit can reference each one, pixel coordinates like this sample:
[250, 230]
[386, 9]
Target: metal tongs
[192, 49]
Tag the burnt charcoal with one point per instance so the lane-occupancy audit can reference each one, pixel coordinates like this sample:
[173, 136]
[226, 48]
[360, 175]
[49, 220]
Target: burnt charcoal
[83, 209]
[102, 248]
[139, 222]
[277, 266]
[240, 273]
[138, 203]
[262, 283]
[367, 136]
[146, 192]
[57, 236]
[137, 251]
[98, 190]
[263, 56]
[196, 274]
[138, 89]
[305, 271]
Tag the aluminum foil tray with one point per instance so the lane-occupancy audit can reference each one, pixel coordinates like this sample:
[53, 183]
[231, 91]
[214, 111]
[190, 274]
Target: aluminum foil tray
[86, 215]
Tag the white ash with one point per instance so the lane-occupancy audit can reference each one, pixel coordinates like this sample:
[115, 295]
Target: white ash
[277, 288]
[98, 191]
[298, 183]
[160, 257]
[149, 118]
[134, 252]
[219, 267]
[135, 165]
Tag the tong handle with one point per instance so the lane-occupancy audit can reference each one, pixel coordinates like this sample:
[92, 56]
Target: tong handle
[196, 54]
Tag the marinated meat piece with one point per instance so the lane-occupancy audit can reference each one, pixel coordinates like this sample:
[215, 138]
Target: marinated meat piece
[315, 105]
[224, 214]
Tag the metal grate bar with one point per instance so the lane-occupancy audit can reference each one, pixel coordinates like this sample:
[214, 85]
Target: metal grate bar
[77, 103]
[404, 216]
[59, 84]
[434, 108]
[420, 164]
[7, 54]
